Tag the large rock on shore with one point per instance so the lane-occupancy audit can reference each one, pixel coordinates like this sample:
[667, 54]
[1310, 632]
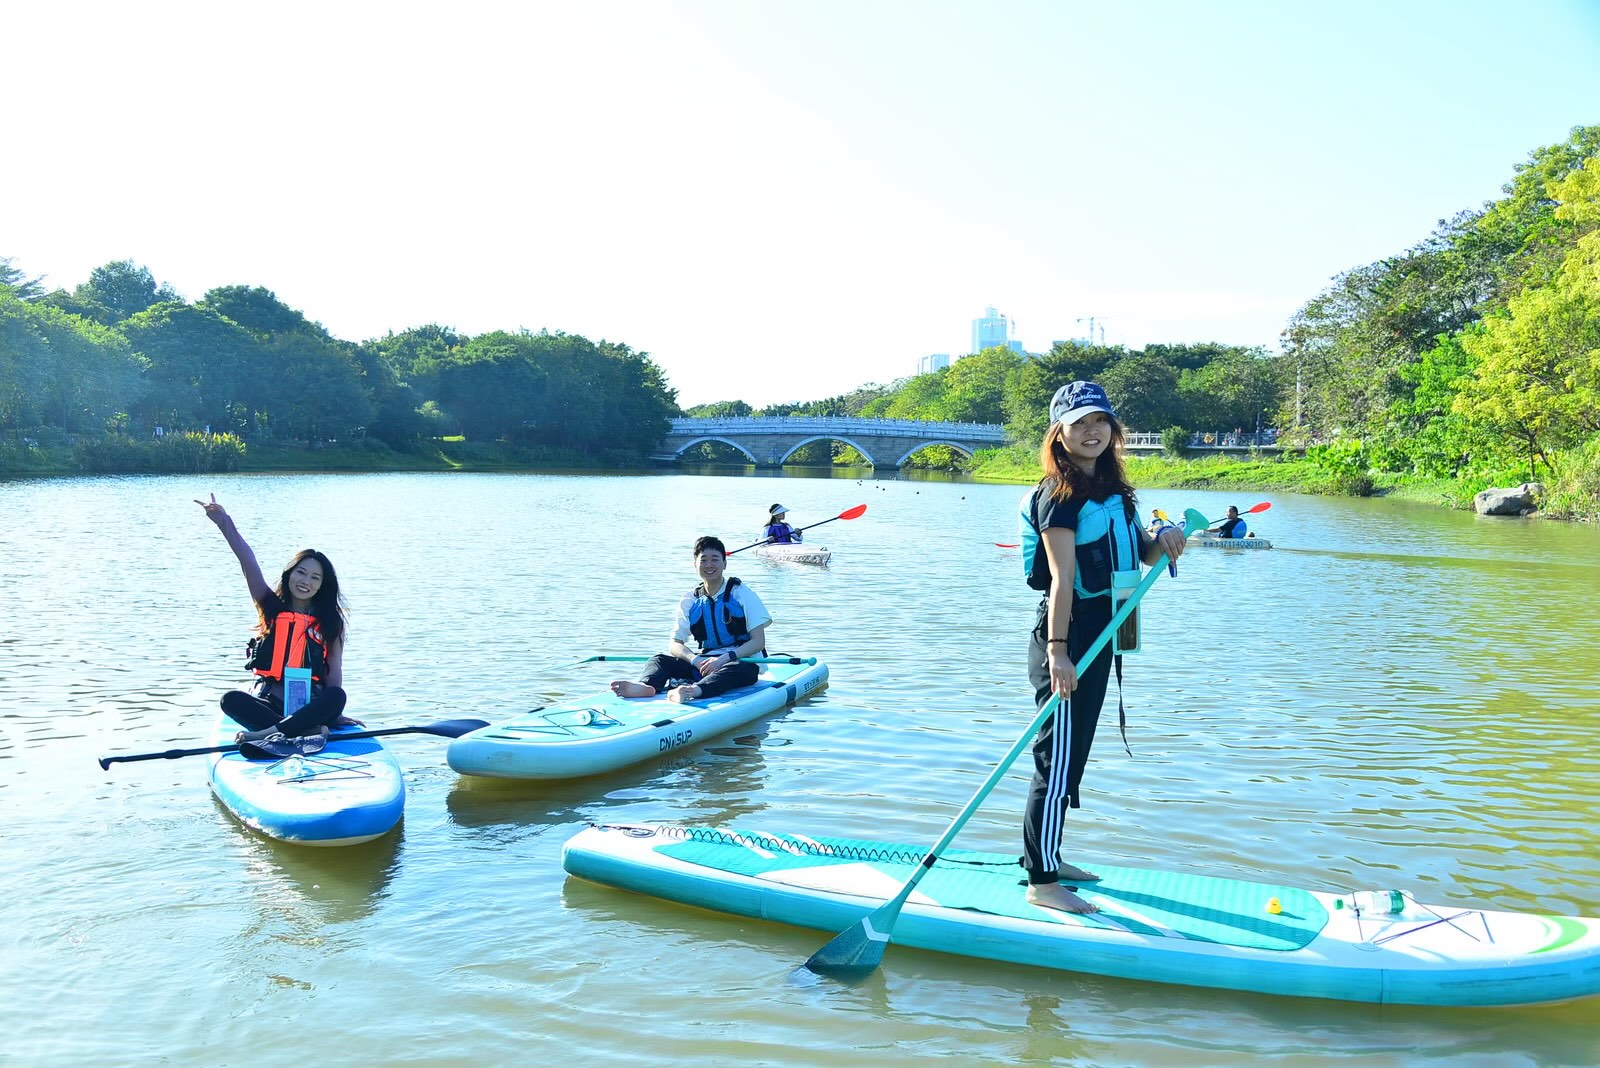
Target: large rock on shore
[1519, 500]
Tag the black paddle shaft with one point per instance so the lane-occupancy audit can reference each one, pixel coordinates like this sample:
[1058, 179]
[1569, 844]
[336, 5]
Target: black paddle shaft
[447, 728]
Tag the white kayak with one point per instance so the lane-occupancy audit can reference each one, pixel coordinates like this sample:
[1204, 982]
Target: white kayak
[1249, 541]
[605, 732]
[794, 554]
[351, 791]
[1163, 926]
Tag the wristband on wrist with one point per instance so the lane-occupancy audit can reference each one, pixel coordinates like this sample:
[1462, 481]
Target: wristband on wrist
[1056, 641]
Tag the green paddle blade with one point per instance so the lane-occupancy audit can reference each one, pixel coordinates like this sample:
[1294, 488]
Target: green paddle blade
[856, 952]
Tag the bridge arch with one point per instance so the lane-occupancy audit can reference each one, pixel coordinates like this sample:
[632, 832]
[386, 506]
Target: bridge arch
[965, 450]
[686, 446]
[862, 449]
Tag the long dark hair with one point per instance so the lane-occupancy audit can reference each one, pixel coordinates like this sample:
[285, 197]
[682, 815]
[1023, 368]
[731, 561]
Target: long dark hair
[1065, 479]
[328, 605]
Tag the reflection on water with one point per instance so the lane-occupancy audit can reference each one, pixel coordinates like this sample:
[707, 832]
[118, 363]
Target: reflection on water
[1393, 696]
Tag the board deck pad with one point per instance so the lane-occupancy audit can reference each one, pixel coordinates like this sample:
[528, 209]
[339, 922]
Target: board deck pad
[1155, 903]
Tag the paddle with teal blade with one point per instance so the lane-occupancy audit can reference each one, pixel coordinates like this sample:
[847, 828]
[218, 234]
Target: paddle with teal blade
[854, 953]
[445, 728]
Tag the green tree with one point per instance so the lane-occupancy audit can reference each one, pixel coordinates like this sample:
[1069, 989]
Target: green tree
[975, 387]
[1238, 388]
[22, 287]
[197, 369]
[1144, 392]
[728, 409]
[1537, 379]
[120, 289]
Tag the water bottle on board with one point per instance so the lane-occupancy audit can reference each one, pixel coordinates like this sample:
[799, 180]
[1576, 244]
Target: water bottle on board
[1374, 902]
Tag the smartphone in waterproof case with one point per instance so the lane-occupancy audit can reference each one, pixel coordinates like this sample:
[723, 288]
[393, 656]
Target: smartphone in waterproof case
[1123, 583]
[296, 690]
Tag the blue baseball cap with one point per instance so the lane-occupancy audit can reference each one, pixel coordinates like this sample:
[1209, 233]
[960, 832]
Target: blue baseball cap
[1075, 400]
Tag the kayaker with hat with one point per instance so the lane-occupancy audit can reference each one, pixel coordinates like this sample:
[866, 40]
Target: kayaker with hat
[777, 530]
[1083, 543]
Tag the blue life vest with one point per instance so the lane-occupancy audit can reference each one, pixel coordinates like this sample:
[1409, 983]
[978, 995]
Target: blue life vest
[1107, 542]
[718, 622]
[1237, 530]
[781, 533]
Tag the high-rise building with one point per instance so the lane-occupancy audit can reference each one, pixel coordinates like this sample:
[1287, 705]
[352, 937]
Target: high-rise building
[991, 330]
[936, 362]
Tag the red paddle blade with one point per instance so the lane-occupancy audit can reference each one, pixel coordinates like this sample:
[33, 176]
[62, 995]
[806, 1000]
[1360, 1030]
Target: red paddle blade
[1262, 507]
[1005, 545]
[853, 513]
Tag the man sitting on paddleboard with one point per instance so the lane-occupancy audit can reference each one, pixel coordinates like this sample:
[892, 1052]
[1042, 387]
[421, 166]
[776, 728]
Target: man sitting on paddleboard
[724, 618]
[1231, 527]
[778, 531]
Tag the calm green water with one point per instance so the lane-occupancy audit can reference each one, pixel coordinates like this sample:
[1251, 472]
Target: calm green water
[1397, 696]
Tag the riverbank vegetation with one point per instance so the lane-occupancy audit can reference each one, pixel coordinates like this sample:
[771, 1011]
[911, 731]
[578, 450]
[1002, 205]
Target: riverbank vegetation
[1470, 359]
[121, 374]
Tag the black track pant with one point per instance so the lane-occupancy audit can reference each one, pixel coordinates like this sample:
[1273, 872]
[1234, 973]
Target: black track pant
[1062, 747]
[257, 713]
[664, 668]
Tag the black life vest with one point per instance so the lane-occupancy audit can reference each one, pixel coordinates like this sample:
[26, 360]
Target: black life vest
[292, 640]
[718, 622]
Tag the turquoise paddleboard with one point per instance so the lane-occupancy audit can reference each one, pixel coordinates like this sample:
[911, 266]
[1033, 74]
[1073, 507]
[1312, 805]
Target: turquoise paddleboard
[1165, 926]
[352, 791]
[604, 732]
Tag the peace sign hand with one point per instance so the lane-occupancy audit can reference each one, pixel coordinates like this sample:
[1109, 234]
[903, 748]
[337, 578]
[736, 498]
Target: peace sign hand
[214, 511]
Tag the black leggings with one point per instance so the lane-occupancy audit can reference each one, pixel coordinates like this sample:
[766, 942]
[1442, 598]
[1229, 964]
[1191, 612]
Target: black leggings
[664, 668]
[257, 713]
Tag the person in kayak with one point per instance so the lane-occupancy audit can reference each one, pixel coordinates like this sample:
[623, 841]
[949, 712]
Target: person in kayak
[301, 624]
[777, 530]
[724, 618]
[1231, 527]
[1083, 540]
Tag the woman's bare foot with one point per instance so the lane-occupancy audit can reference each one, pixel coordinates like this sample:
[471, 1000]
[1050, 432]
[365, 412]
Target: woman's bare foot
[680, 694]
[628, 688]
[1074, 874]
[1056, 896]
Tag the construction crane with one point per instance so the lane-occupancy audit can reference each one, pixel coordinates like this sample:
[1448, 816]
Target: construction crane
[1092, 320]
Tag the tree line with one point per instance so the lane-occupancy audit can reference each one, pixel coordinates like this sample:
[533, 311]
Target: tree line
[121, 354]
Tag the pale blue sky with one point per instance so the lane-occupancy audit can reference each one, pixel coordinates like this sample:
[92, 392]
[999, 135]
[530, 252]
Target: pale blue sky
[778, 201]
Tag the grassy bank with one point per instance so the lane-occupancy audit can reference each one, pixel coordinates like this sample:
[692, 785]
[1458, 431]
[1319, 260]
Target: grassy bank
[1573, 495]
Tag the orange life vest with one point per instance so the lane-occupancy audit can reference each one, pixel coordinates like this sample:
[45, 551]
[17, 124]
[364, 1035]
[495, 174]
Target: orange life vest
[292, 640]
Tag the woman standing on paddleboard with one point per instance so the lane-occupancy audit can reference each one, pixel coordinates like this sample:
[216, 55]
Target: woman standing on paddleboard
[1082, 546]
[301, 626]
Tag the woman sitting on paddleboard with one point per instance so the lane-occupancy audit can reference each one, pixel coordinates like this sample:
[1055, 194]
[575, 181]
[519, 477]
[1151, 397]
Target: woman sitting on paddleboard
[301, 626]
[778, 531]
[1082, 539]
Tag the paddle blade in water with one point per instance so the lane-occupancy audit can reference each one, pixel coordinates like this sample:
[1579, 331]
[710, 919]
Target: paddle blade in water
[856, 951]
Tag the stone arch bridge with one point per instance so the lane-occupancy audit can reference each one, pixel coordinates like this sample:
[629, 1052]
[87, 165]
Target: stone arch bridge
[770, 440]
